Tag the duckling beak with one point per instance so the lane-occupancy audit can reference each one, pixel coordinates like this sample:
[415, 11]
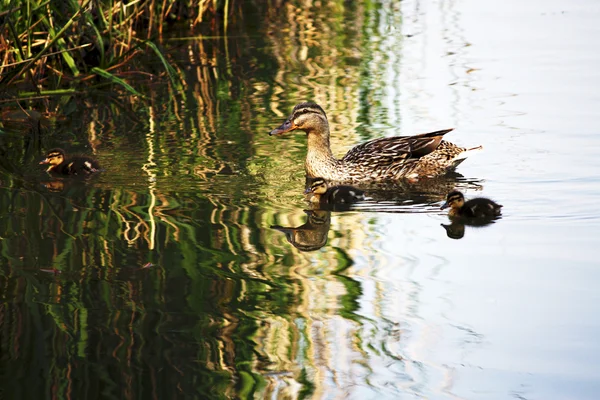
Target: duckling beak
[285, 127]
[445, 205]
[44, 161]
[307, 190]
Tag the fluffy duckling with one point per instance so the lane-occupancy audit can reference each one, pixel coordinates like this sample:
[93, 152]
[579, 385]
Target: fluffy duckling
[319, 192]
[479, 207]
[75, 165]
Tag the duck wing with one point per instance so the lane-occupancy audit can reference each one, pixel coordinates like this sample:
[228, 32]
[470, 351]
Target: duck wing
[481, 207]
[80, 165]
[386, 151]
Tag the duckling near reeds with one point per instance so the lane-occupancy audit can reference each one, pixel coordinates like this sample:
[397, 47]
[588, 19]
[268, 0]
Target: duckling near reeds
[479, 207]
[319, 192]
[383, 159]
[59, 163]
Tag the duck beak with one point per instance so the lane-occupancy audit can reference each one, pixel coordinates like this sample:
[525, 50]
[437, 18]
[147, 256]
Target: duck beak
[307, 191]
[445, 205]
[44, 161]
[285, 127]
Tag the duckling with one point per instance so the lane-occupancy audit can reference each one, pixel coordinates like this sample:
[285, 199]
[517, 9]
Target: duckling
[479, 207]
[382, 159]
[319, 192]
[75, 165]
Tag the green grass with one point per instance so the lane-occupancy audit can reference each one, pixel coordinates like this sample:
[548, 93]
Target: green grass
[55, 47]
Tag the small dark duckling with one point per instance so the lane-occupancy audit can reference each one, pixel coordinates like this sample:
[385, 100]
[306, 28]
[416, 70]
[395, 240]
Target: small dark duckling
[479, 207]
[75, 165]
[319, 192]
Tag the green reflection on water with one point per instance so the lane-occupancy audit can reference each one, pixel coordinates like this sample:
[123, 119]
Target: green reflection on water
[162, 277]
[82, 305]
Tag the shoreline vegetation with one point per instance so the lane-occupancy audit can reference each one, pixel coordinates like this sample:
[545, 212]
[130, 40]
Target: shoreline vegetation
[65, 48]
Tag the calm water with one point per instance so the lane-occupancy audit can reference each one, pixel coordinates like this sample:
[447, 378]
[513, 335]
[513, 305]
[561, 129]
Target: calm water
[165, 278]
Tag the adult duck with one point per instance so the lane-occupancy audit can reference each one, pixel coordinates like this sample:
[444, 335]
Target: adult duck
[383, 159]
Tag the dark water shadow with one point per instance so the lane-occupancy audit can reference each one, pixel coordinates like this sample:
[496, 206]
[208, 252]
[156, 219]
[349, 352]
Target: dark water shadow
[423, 191]
[408, 197]
[423, 196]
[456, 229]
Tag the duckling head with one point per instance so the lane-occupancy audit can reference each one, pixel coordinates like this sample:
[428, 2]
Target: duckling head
[455, 200]
[307, 117]
[54, 157]
[317, 187]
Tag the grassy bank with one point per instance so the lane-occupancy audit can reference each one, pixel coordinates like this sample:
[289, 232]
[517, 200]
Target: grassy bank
[58, 48]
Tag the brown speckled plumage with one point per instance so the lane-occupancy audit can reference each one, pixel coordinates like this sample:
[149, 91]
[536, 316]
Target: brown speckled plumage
[382, 159]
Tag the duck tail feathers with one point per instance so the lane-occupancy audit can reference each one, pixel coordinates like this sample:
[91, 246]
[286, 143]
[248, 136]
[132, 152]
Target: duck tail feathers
[462, 156]
[467, 153]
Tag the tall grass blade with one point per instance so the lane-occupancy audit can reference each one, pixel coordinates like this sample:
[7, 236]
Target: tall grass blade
[57, 37]
[114, 79]
[170, 70]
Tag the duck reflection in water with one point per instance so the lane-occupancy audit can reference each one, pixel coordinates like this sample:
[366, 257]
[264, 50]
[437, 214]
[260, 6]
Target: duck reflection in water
[477, 212]
[456, 229]
[323, 199]
[310, 236]
[56, 185]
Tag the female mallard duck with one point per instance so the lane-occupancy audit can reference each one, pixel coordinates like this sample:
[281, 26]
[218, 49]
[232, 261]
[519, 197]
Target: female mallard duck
[319, 192]
[479, 207]
[75, 165]
[382, 159]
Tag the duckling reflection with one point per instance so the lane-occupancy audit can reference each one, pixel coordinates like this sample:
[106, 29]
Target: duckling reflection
[55, 186]
[456, 229]
[320, 193]
[310, 236]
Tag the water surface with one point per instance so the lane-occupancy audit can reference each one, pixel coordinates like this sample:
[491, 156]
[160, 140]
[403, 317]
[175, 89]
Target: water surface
[164, 277]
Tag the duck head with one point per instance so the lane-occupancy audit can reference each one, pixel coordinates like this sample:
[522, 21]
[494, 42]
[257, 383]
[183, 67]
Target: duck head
[455, 200]
[54, 157]
[317, 186]
[308, 117]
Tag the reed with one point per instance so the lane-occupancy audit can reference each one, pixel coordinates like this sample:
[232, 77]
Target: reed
[48, 46]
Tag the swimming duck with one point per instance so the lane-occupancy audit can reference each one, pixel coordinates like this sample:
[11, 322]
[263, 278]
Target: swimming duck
[479, 207]
[383, 159]
[319, 192]
[75, 165]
